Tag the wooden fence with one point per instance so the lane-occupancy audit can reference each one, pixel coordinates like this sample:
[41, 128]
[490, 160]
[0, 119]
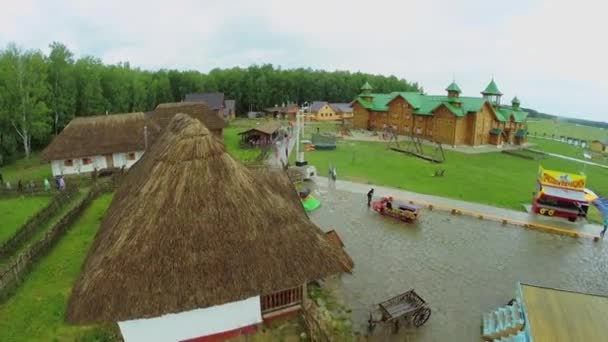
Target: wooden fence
[14, 273]
[29, 228]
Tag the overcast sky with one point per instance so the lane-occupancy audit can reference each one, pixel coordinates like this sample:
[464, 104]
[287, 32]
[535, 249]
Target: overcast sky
[552, 54]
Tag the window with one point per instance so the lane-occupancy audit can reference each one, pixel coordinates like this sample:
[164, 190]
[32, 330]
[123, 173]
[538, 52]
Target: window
[131, 156]
[87, 161]
[68, 162]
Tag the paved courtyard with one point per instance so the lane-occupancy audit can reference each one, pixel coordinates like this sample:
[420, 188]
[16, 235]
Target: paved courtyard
[462, 266]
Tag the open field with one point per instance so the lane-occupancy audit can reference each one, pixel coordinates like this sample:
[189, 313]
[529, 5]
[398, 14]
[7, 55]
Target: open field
[36, 311]
[565, 149]
[489, 178]
[26, 169]
[558, 128]
[14, 212]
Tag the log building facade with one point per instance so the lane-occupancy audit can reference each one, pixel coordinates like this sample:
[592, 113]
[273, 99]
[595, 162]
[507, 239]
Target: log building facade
[451, 119]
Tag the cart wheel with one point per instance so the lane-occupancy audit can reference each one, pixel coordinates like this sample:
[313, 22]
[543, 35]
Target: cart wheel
[551, 212]
[572, 219]
[371, 324]
[421, 317]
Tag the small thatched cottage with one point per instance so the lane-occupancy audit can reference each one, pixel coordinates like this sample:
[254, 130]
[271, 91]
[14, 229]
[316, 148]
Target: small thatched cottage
[117, 140]
[195, 244]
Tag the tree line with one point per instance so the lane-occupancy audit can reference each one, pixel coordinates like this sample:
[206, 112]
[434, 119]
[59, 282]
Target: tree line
[40, 93]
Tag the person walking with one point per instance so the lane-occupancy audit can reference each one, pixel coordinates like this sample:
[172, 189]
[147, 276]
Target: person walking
[370, 194]
[47, 185]
[605, 226]
[1, 179]
[20, 186]
[61, 183]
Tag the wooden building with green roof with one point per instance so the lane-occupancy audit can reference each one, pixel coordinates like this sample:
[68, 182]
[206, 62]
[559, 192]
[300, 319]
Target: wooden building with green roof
[451, 119]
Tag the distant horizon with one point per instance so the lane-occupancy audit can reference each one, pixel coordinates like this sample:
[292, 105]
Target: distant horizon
[551, 67]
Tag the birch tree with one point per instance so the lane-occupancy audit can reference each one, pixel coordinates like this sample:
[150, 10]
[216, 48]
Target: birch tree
[24, 91]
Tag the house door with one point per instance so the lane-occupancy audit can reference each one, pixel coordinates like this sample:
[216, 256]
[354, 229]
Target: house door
[109, 161]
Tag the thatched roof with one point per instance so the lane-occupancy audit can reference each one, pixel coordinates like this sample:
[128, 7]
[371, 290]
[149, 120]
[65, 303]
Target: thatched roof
[190, 228]
[97, 135]
[164, 112]
[266, 128]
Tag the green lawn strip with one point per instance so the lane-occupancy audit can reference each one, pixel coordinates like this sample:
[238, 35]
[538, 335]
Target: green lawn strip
[52, 221]
[489, 178]
[15, 211]
[565, 150]
[33, 168]
[567, 129]
[36, 311]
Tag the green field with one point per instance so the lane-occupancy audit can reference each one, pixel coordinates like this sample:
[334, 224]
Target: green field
[26, 169]
[489, 178]
[36, 311]
[566, 150]
[14, 212]
[559, 128]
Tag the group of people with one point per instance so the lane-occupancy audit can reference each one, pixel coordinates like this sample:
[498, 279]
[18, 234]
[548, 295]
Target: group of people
[31, 185]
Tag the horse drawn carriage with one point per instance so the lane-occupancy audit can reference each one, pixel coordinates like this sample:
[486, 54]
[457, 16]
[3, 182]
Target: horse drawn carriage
[409, 306]
[399, 210]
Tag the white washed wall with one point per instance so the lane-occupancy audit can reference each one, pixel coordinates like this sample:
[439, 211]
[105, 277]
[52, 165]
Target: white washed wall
[194, 323]
[98, 162]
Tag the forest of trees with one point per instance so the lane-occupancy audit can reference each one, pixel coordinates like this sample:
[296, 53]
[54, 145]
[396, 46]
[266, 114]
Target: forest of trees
[40, 93]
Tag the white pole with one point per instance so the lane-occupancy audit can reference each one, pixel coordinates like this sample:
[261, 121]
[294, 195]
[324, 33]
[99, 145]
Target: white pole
[297, 135]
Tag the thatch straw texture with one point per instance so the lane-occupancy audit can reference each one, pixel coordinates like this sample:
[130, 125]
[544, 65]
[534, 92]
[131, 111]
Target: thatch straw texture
[164, 112]
[190, 228]
[97, 135]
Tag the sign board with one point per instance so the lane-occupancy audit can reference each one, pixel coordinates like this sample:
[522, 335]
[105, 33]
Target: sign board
[561, 179]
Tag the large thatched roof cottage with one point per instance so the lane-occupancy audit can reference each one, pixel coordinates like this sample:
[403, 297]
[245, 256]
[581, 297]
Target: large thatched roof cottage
[195, 244]
[117, 140]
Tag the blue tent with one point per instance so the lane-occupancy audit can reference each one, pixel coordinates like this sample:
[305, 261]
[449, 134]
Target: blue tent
[602, 206]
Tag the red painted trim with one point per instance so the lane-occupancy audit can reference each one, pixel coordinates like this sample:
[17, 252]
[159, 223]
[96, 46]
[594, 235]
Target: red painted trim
[222, 336]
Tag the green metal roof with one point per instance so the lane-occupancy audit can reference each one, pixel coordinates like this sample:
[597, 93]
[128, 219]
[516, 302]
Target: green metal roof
[504, 113]
[491, 89]
[453, 87]
[366, 86]
[427, 104]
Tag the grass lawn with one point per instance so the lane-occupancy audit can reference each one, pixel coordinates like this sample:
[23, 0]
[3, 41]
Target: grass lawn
[565, 149]
[14, 212]
[36, 311]
[490, 178]
[33, 168]
[47, 225]
[558, 128]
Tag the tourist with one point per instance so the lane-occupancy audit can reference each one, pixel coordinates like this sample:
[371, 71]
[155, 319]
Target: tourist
[1, 179]
[47, 185]
[57, 182]
[20, 186]
[370, 194]
[61, 183]
[334, 174]
[8, 186]
[605, 226]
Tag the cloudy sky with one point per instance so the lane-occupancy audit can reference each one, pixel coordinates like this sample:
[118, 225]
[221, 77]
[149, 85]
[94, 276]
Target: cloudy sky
[552, 54]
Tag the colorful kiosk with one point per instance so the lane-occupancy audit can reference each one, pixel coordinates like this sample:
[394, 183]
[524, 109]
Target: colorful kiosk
[540, 313]
[560, 194]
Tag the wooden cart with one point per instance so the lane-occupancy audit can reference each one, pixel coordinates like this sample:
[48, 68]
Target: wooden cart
[409, 306]
[402, 211]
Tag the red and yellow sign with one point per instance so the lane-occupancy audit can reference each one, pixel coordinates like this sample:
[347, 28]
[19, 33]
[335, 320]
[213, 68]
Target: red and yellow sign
[561, 179]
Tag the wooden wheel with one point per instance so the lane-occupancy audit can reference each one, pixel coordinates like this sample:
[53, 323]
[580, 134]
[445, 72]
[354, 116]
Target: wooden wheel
[371, 324]
[421, 316]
